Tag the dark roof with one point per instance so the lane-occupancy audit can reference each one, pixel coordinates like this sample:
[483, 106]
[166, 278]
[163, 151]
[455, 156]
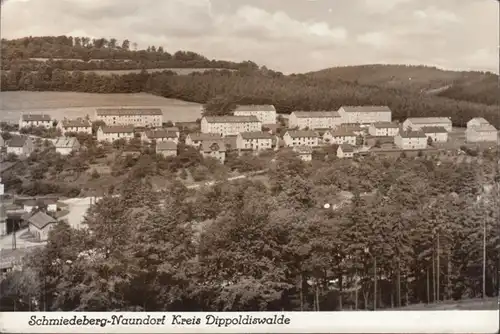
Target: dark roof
[40, 220]
[172, 129]
[17, 141]
[256, 135]
[203, 136]
[76, 123]
[341, 133]
[118, 129]
[213, 145]
[346, 148]
[302, 133]
[350, 127]
[316, 114]
[255, 107]
[433, 129]
[232, 119]
[167, 145]
[36, 118]
[128, 111]
[366, 108]
[412, 134]
[384, 125]
[303, 149]
[427, 120]
[160, 134]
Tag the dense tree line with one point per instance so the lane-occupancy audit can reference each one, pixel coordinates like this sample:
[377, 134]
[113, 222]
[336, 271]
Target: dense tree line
[251, 246]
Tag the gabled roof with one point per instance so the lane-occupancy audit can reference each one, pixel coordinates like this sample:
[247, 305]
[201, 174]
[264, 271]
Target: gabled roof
[303, 149]
[346, 148]
[128, 111]
[213, 145]
[17, 141]
[339, 132]
[316, 114]
[232, 119]
[255, 107]
[434, 129]
[75, 123]
[118, 129]
[412, 134]
[167, 145]
[203, 136]
[366, 109]
[65, 142]
[483, 128]
[36, 118]
[385, 125]
[40, 220]
[427, 120]
[480, 120]
[302, 134]
[256, 135]
[172, 129]
[160, 134]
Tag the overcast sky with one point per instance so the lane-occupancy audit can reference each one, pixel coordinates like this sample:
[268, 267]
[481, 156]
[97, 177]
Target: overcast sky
[290, 36]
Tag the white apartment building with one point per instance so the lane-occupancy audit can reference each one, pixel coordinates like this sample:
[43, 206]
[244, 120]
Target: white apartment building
[254, 141]
[143, 117]
[383, 129]
[365, 114]
[438, 134]
[195, 139]
[314, 120]
[294, 138]
[35, 120]
[230, 125]
[339, 137]
[112, 133]
[159, 136]
[75, 126]
[66, 145]
[480, 130]
[266, 114]
[416, 123]
[304, 152]
[411, 140]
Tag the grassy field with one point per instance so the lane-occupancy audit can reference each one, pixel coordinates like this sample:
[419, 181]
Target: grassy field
[73, 105]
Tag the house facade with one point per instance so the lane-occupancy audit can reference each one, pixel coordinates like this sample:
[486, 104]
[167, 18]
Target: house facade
[195, 139]
[112, 133]
[254, 141]
[417, 123]
[438, 134]
[66, 145]
[40, 224]
[35, 120]
[294, 138]
[166, 148]
[266, 114]
[365, 114]
[480, 130]
[20, 145]
[383, 129]
[139, 117]
[159, 136]
[304, 152]
[215, 149]
[411, 140]
[314, 120]
[339, 137]
[230, 125]
[345, 151]
[75, 126]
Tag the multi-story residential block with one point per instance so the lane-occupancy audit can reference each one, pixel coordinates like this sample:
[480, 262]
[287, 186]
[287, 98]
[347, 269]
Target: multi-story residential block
[339, 137]
[365, 115]
[35, 120]
[254, 141]
[20, 145]
[143, 117]
[304, 152]
[294, 138]
[79, 125]
[195, 139]
[112, 133]
[411, 140]
[215, 149]
[417, 123]
[345, 151]
[383, 129]
[266, 114]
[480, 130]
[230, 125]
[159, 136]
[66, 145]
[438, 134]
[314, 120]
[166, 148]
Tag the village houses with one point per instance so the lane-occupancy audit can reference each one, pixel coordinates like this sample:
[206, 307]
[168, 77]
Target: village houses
[159, 136]
[304, 152]
[480, 130]
[112, 133]
[416, 123]
[230, 125]
[20, 145]
[301, 138]
[66, 145]
[345, 151]
[40, 224]
[215, 149]
[411, 140]
[75, 126]
[195, 139]
[383, 129]
[255, 141]
[365, 115]
[438, 134]
[35, 120]
[143, 117]
[166, 148]
[339, 137]
[174, 129]
[314, 120]
[266, 114]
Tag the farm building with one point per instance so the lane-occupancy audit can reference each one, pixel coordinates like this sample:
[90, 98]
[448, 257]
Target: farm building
[143, 117]
[480, 130]
[417, 123]
[75, 125]
[266, 114]
[314, 120]
[294, 138]
[35, 120]
[112, 133]
[255, 141]
[230, 125]
[365, 114]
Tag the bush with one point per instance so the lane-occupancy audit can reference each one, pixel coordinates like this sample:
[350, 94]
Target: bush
[200, 173]
[95, 174]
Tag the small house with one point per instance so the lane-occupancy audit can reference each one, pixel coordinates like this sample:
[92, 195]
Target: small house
[116, 132]
[166, 148]
[411, 140]
[345, 151]
[383, 129]
[417, 123]
[301, 138]
[480, 130]
[304, 152]
[255, 141]
[40, 224]
[20, 145]
[66, 145]
[195, 139]
[339, 136]
[215, 149]
[174, 129]
[75, 126]
[438, 134]
[160, 136]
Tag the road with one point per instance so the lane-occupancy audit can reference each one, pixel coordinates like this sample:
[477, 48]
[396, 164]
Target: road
[21, 240]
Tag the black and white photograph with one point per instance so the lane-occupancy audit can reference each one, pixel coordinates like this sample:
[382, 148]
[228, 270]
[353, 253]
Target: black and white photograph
[249, 156]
